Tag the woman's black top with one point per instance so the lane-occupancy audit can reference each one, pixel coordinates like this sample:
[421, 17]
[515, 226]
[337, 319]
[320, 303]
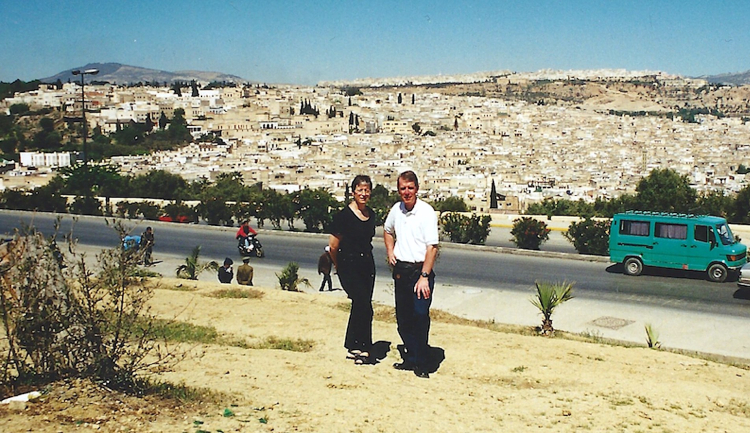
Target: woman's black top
[355, 235]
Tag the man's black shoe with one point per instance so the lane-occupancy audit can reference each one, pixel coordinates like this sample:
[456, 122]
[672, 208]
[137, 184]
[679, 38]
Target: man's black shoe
[406, 365]
[421, 373]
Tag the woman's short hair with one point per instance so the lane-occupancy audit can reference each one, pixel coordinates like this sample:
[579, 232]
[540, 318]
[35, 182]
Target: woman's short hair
[360, 179]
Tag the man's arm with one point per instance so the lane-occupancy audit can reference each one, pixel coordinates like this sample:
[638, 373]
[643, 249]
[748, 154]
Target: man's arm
[390, 243]
[422, 288]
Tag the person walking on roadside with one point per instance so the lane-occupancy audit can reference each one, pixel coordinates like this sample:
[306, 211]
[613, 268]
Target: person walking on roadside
[147, 243]
[245, 273]
[411, 242]
[350, 246]
[324, 267]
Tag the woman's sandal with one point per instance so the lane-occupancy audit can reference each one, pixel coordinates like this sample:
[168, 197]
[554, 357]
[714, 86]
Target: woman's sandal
[353, 354]
[363, 358]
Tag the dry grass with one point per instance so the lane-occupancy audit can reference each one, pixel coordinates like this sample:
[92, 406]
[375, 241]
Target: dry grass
[235, 293]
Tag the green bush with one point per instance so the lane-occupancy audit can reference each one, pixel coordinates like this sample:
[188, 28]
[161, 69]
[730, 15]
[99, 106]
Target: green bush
[289, 278]
[589, 236]
[86, 205]
[451, 204]
[466, 230]
[529, 233]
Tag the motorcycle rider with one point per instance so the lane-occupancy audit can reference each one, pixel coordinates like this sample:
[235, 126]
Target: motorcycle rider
[244, 233]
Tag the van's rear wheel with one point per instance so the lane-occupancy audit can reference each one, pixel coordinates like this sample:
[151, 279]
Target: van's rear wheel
[717, 273]
[633, 266]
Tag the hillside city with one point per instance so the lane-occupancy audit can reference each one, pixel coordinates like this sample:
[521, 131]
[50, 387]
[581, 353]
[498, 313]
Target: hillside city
[574, 135]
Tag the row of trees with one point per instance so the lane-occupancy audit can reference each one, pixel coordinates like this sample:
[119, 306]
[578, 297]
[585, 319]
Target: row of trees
[228, 201]
[663, 190]
[224, 202]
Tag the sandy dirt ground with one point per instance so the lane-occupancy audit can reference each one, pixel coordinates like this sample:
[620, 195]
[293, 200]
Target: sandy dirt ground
[486, 381]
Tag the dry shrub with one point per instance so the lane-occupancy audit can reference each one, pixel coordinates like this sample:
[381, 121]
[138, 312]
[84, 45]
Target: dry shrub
[67, 319]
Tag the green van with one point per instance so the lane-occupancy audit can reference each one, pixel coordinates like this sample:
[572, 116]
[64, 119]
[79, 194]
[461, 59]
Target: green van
[677, 241]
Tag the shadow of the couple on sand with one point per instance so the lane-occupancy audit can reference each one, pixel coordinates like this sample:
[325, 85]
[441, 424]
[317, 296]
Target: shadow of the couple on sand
[378, 352]
[436, 355]
[381, 348]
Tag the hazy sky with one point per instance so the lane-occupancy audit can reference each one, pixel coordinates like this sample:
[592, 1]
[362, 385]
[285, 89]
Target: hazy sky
[305, 42]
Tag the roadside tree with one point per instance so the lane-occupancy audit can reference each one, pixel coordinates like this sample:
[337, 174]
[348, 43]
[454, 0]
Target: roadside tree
[589, 236]
[529, 233]
[664, 190]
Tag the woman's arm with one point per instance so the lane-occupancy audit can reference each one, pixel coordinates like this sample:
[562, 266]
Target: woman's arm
[333, 244]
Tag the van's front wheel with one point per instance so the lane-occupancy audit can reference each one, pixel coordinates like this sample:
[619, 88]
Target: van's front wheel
[633, 266]
[717, 273]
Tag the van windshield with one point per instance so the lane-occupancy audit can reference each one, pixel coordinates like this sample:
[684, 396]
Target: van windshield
[725, 234]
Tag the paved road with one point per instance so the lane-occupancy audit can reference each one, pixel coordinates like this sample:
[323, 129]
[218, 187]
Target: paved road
[492, 283]
[458, 265]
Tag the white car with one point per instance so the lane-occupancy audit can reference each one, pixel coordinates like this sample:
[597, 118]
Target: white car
[744, 276]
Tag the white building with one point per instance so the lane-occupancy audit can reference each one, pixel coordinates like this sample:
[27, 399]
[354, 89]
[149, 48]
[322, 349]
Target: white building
[38, 159]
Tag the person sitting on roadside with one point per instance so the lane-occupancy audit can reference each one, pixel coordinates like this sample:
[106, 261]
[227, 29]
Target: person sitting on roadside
[225, 272]
[245, 273]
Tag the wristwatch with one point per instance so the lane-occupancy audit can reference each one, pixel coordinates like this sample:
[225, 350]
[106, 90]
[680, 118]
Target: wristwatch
[425, 274]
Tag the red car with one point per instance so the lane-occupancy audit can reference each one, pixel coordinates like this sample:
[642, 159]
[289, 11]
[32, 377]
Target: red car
[179, 219]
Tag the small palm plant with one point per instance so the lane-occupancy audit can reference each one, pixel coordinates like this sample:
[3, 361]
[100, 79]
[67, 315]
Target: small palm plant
[652, 337]
[192, 267]
[289, 278]
[548, 297]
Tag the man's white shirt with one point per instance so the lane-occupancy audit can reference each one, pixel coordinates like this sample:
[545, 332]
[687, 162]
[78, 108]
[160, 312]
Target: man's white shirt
[414, 230]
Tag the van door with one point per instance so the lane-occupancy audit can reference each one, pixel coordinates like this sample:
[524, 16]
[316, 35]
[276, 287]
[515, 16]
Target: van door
[701, 246]
[671, 249]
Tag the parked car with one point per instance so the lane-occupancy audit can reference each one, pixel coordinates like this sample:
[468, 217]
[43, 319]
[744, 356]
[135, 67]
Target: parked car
[676, 241]
[744, 277]
[178, 219]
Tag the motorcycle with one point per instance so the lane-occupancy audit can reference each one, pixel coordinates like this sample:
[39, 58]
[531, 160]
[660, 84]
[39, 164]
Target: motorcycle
[250, 247]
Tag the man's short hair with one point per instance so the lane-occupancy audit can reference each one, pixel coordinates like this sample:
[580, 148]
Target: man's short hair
[408, 176]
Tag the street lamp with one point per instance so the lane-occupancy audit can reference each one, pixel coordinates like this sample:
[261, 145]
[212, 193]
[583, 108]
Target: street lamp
[83, 107]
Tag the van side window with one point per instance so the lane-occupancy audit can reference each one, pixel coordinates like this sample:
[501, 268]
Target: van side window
[670, 231]
[634, 228]
[701, 233]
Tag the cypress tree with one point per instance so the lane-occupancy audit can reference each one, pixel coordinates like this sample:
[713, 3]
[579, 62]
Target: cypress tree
[493, 196]
[163, 121]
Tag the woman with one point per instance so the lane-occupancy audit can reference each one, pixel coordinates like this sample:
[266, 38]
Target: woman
[351, 251]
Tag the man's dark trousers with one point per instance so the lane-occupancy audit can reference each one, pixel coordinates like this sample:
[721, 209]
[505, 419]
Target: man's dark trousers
[413, 317]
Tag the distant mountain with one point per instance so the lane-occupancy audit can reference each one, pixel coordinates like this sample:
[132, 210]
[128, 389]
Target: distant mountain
[124, 74]
[735, 79]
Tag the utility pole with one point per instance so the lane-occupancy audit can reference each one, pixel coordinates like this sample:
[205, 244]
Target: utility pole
[83, 107]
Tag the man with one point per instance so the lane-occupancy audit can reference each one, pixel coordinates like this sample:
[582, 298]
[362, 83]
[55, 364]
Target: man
[324, 267]
[245, 273]
[225, 272]
[147, 240]
[411, 242]
[244, 233]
